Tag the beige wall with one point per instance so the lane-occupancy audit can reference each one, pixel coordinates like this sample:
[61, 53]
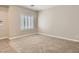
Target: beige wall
[62, 21]
[14, 21]
[4, 24]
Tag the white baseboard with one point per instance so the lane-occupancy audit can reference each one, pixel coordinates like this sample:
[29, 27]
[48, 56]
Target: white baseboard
[59, 37]
[41, 34]
[3, 38]
[22, 36]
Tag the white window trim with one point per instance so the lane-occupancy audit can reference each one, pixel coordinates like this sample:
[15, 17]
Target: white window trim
[27, 22]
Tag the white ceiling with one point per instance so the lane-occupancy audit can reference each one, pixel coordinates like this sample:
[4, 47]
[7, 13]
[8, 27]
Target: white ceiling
[38, 7]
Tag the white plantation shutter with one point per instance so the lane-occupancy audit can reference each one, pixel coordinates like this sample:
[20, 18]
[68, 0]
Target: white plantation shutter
[29, 22]
[32, 22]
[26, 22]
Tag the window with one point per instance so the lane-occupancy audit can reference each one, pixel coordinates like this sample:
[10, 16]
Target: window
[27, 22]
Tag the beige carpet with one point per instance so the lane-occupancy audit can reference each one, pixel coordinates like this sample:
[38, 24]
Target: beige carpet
[5, 47]
[44, 44]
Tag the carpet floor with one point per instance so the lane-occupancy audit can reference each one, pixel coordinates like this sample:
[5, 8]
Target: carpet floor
[44, 44]
[5, 47]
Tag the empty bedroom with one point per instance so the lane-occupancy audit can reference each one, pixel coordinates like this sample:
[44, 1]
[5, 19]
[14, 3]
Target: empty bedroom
[39, 28]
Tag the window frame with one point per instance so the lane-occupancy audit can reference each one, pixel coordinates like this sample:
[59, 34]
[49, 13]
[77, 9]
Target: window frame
[27, 22]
